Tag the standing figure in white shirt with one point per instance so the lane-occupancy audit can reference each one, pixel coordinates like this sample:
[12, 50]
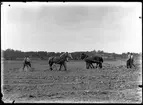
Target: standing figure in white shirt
[129, 56]
[132, 59]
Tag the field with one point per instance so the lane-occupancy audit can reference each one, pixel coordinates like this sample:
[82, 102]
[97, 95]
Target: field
[113, 83]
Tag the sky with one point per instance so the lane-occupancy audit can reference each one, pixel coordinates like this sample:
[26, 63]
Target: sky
[70, 27]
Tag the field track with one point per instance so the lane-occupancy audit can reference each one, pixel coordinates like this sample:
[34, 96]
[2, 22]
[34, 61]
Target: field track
[113, 83]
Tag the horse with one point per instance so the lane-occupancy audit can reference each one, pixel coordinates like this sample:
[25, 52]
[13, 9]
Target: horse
[90, 65]
[61, 60]
[129, 63]
[92, 59]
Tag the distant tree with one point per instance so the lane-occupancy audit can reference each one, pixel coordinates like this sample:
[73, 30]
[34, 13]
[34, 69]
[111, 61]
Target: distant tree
[42, 54]
[49, 54]
[100, 51]
[13, 54]
[124, 55]
[94, 51]
[114, 55]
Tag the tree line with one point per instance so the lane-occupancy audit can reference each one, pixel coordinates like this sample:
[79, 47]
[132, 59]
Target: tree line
[10, 54]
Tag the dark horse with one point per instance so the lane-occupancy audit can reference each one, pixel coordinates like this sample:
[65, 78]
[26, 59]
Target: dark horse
[61, 60]
[92, 59]
[129, 63]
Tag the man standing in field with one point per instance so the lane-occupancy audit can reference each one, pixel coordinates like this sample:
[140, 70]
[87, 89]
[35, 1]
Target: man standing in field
[132, 59]
[129, 56]
[27, 62]
[129, 60]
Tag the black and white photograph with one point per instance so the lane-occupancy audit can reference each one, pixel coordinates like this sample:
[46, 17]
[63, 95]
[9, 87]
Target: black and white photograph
[71, 52]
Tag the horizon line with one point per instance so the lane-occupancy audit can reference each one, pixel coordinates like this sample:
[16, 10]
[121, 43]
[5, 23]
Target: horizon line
[71, 51]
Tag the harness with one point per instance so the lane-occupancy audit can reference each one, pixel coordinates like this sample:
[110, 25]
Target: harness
[60, 60]
[91, 60]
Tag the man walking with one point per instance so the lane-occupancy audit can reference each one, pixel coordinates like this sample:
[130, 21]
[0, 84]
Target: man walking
[132, 59]
[27, 62]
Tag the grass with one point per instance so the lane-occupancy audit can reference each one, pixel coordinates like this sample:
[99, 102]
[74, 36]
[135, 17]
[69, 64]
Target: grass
[113, 83]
